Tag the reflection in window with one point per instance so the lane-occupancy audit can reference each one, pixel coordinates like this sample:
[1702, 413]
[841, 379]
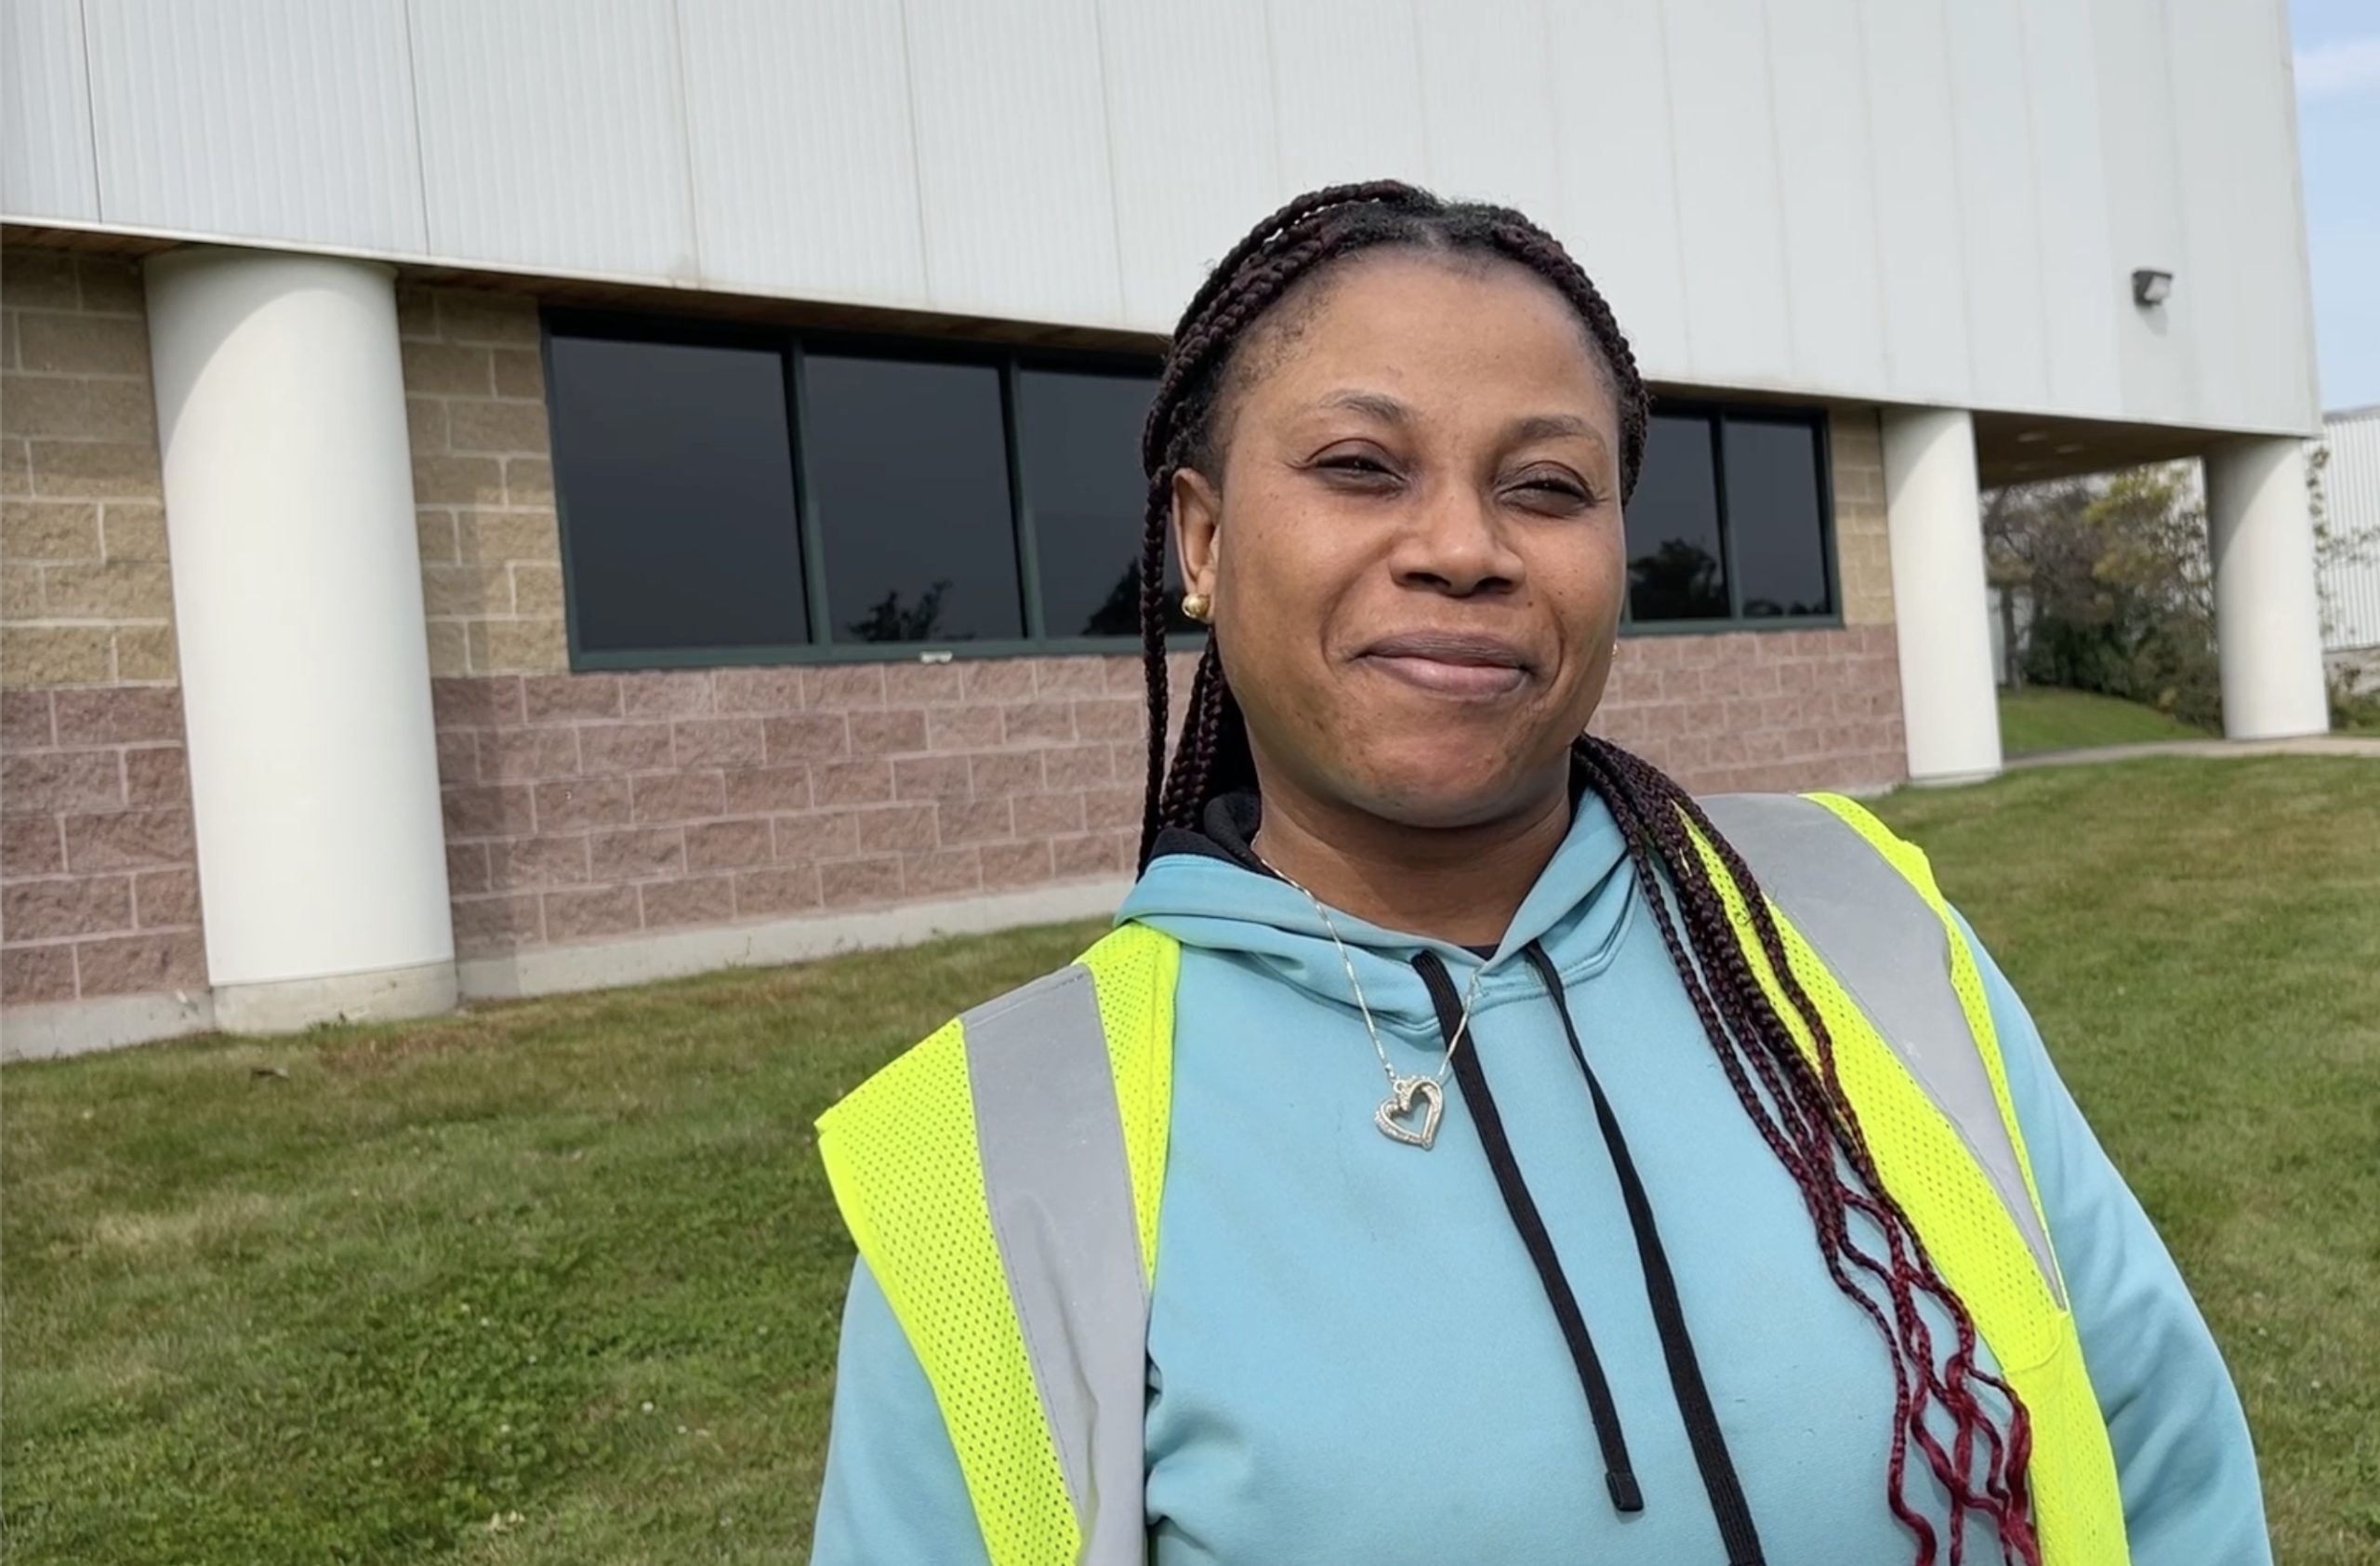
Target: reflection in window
[1674, 561]
[1773, 513]
[677, 481]
[1079, 440]
[906, 463]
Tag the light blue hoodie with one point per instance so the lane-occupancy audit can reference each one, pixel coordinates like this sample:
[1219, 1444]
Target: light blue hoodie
[1352, 1360]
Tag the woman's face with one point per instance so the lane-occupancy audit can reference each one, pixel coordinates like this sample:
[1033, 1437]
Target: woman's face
[1414, 550]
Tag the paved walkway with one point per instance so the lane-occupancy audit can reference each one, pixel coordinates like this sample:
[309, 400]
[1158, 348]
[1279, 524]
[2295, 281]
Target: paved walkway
[2315, 745]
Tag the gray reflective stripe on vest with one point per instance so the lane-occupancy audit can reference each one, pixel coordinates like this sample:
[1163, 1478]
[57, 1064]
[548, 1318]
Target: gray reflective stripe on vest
[1884, 941]
[1060, 1190]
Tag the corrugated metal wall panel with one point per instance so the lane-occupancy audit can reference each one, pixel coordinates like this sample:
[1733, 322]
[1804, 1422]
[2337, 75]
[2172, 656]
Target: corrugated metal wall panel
[1730, 206]
[804, 165]
[2082, 287]
[1012, 158]
[1619, 174]
[553, 145]
[2238, 140]
[46, 166]
[1347, 92]
[2008, 348]
[267, 118]
[2350, 579]
[1191, 174]
[1830, 222]
[1487, 104]
[1919, 238]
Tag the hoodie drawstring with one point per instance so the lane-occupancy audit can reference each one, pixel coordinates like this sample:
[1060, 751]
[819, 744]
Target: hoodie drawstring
[1729, 1506]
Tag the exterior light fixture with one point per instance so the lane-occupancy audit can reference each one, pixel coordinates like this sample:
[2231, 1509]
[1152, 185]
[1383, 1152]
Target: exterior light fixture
[2150, 286]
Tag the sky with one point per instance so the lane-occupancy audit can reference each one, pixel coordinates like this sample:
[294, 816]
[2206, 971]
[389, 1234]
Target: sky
[2337, 43]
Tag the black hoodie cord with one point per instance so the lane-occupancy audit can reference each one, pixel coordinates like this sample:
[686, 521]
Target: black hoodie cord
[1728, 1504]
[1619, 1474]
[1728, 1507]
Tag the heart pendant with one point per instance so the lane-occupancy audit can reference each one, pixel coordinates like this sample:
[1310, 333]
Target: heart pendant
[1397, 1110]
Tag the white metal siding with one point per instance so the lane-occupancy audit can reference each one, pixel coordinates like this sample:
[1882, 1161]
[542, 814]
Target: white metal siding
[46, 163]
[840, 222]
[1914, 201]
[248, 120]
[548, 144]
[2351, 495]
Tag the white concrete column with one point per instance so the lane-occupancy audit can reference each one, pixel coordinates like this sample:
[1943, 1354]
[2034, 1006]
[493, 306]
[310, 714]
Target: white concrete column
[2267, 610]
[305, 663]
[1949, 700]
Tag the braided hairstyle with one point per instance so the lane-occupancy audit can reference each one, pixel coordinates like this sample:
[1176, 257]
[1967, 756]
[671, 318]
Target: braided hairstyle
[1796, 1103]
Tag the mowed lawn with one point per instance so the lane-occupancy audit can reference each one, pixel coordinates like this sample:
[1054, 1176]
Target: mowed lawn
[2045, 718]
[558, 1282]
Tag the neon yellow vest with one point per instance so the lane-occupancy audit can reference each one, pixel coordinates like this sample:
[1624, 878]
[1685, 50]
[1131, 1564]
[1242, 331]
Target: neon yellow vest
[1004, 1181]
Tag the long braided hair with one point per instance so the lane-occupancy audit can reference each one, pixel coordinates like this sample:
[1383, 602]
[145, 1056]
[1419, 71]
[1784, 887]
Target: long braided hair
[1798, 1105]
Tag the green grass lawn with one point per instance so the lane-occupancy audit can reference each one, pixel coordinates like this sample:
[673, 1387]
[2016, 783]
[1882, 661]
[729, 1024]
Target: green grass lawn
[2043, 718]
[373, 1294]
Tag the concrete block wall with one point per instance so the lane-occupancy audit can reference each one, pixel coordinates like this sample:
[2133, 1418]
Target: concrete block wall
[98, 885]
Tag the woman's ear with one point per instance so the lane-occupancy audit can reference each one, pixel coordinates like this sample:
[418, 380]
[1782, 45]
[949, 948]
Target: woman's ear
[1197, 524]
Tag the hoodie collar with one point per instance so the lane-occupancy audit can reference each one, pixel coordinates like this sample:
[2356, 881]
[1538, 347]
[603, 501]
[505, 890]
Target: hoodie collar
[1208, 889]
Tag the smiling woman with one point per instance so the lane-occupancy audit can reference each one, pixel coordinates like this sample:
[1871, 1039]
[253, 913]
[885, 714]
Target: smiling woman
[1678, 1177]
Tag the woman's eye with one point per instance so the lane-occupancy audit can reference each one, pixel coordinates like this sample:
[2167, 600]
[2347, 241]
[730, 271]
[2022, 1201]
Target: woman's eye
[1551, 490]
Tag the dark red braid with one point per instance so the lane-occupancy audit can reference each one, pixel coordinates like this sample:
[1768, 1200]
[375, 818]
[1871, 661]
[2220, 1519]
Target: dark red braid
[1797, 1105]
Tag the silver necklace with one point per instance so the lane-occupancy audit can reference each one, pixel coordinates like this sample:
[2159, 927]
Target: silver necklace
[1408, 1096]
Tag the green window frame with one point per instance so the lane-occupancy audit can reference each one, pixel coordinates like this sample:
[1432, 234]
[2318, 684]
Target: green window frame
[1716, 416]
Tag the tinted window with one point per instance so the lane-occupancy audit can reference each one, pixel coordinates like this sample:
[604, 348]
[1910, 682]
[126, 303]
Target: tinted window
[1675, 566]
[1079, 440]
[1773, 513]
[908, 465]
[676, 471]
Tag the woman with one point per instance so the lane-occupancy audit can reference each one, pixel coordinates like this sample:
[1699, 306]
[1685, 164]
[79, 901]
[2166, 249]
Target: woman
[1468, 1147]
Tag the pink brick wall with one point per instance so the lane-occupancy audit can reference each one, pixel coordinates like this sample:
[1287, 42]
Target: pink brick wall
[594, 806]
[591, 806]
[1785, 711]
[99, 890]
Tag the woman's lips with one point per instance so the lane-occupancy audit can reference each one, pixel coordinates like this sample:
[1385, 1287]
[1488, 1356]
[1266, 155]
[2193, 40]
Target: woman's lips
[1467, 667]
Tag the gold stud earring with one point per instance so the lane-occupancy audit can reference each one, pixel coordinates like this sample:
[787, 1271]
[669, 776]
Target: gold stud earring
[1198, 606]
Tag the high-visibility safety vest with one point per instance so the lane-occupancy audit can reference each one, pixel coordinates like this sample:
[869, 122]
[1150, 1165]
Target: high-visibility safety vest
[1004, 1181]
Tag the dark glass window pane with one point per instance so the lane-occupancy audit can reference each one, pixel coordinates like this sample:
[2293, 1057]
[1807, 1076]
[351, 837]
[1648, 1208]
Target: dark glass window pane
[1078, 439]
[1773, 511]
[907, 464]
[1675, 570]
[676, 474]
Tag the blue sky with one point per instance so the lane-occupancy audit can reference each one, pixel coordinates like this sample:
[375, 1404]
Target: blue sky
[2338, 143]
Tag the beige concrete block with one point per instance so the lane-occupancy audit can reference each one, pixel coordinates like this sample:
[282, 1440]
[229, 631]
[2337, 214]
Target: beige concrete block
[520, 373]
[441, 369]
[536, 589]
[450, 650]
[519, 647]
[54, 655]
[145, 654]
[488, 537]
[528, 481]
[425, 425]
[434, 535]
[111, 288]
[466, 592]
[474, 425]
[38, 280]
[417, 312]
[49, 530]
[116, 589]
[19, 592]
[475, 317]
[7, 340]
[115, 469]
[16, 468]
[79, 407]
[457, 481]
[132, 530]
[83, 344]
